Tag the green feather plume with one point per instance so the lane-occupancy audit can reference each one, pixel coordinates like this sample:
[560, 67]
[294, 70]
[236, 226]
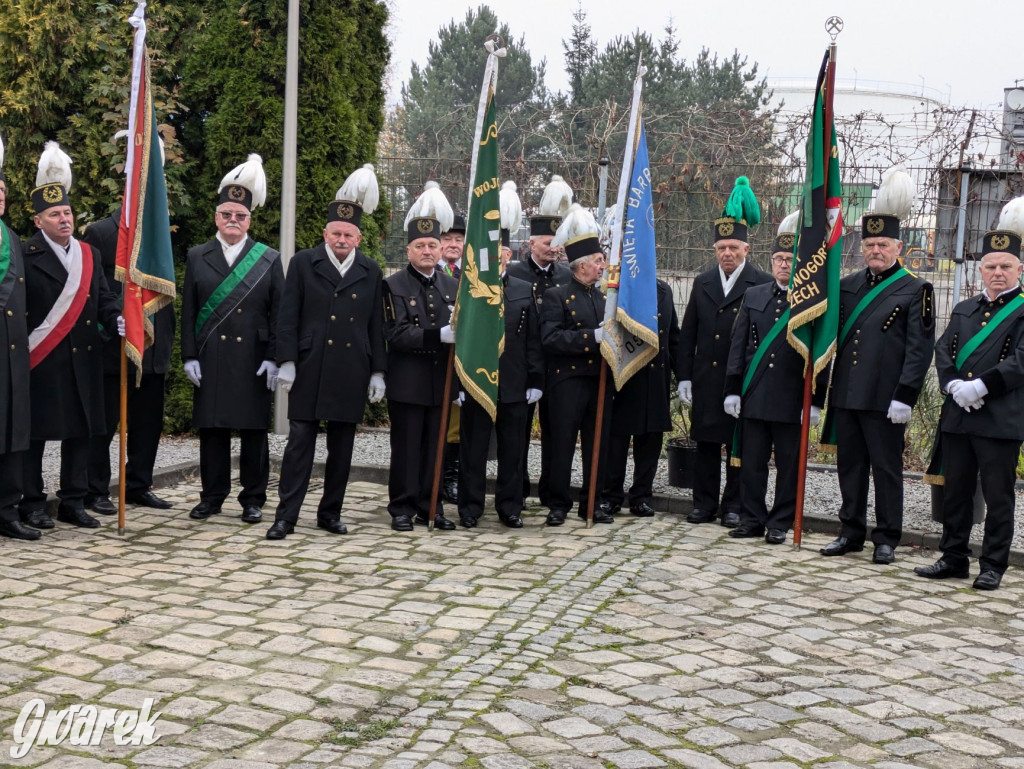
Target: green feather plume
[742, 204]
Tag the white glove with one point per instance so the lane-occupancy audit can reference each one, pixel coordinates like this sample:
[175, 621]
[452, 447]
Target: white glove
[192, 371]
[598, 335]
[459, 400]
[447, 335]
[286, 376]
[375, 392]
[970, 395]
[533, 395]
[120, 325]
[732, 406]
[685, 392]
[899, 413]
[954, 385]
[815, 416]
[269, 368]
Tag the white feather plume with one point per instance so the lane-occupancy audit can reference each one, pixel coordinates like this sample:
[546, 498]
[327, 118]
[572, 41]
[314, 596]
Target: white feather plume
[510, 208]
[895, 195]
[1012, 216]
[556, 199]
[54, 166]
[788, 225]
[361, 188]
[1, 152]
[251, 176]
[432, 204]
[577, 223]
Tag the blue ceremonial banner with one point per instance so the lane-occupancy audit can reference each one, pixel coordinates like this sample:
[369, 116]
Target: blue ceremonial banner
[631, 320]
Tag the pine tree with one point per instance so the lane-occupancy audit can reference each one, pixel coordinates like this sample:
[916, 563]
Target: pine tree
[580, 50]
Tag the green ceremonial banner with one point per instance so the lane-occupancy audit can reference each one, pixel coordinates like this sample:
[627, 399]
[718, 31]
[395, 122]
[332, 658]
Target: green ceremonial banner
[479, 308]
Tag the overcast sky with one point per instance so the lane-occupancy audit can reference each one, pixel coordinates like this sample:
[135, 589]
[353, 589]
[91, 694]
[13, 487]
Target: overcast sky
[966, 51]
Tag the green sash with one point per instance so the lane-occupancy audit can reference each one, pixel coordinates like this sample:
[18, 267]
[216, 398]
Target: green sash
[5, 251]
[229, 284]
[870, 297]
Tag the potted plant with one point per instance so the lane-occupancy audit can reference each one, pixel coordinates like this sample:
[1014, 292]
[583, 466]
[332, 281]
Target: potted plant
[681, 449]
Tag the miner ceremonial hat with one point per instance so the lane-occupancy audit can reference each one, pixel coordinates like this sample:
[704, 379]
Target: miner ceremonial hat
[2, 177]
[430, 215]
[892, 205]
[578, 233]
[52, 179]
[741, 211]
[245, 184]
[458, 224]
[1006, 238]
[511, 212]
[358, 195]
[785, 238]
[554, 204]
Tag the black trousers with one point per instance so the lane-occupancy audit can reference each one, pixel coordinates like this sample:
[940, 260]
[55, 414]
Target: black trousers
[145, 423]
[646, 453]
[215, 466]
[74, 474]
[759, 438]
[475, 434]
[11, 481]
[867, 441]
[963, 456]
[573, 414]
[542, 409]
[297, 466]
[414, 431]
[707, 480]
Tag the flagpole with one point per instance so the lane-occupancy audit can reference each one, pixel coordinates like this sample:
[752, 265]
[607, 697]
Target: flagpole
[122, 440]
[834, 26]
[435, 486]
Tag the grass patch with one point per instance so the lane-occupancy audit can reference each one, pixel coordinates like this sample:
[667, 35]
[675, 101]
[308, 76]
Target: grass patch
[352, 733]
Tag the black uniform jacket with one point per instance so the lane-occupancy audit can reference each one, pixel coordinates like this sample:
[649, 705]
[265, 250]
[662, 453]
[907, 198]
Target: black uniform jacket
[540, 280]
[889, 348]
[67, 385]
[569, 314]
[415, 310]
[642, 405]
[704, 347]
[998, 362]
[521, 365]
[332, 328]
[776, 392]
[14, 377]
[231, 395]
[102, 236]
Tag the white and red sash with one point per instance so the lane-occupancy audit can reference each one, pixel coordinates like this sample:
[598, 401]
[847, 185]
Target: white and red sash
[65, 311]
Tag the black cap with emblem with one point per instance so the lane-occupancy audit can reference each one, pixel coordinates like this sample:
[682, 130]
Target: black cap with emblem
[1006, 238]
[53, 178]
[554, 204]
[893, 202]
[358, 195]
[430, 215]
[741, 210]
[245, 184]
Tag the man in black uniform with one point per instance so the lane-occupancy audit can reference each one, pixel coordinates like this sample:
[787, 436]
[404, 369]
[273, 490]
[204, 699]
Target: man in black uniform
[520, 381]
[66, 298]
[641, 411]
[765, 376]
[330, 346]
[14, 398]
[571, 333]
[229, 307]
[884, 349]
[543, 271]
[145, 402]
[704, 352]
[418, 303]
[980, 362]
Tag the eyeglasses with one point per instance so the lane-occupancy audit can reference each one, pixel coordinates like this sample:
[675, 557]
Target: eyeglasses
[781, 259]
[227, 216]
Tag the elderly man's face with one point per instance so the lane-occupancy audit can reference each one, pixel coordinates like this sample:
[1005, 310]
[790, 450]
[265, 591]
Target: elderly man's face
[1000, 271]
[730, 254]
[341, 238]
[543, 253]
[58, 224]
[451, 246]
[3, 197]
[782, 265]
[232, 222]
[423, 254]
[588, 269]
[880, 253]
[506, 257]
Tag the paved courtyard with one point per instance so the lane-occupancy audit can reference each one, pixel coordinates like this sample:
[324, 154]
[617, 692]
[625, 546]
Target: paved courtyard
[647, 643]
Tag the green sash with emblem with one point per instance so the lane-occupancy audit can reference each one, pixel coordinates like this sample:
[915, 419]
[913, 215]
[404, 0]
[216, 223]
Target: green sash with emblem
[232, 290]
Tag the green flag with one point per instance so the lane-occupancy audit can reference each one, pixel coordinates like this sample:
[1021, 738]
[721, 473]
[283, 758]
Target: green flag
[479, 308]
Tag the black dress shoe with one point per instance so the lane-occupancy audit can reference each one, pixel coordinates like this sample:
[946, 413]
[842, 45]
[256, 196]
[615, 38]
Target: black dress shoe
[512, 521]
[987, 580]
[775, 537]
[701, 516]
[730, 520]
[280, 530]
[401, 523]
[883, 554]
[333, 525]
[203, 510]
[842, 546]
[17, 530]
[440, 522]
[600, 516]
[747, 531]
[37, 519]
[76, 517]
[467, 521]
[102, 505]
[252, 514]
[942, 569]
[643, 510]
[555, 518]
[146, 499]
[609, 508]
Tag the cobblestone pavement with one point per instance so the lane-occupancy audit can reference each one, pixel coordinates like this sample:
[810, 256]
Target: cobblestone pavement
[648, 643]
